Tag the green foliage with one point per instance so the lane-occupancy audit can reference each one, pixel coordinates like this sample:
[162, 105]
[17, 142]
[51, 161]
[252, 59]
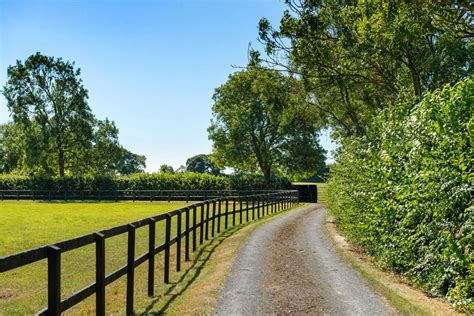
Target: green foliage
[53, 129]
[202, 164]
[142, 181]
[404, 192]
[166, 169]
[130, 163]
[357, 57]
[260, 123]
[47, 93]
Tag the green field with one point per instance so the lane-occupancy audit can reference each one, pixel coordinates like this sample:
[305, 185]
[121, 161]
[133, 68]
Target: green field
[27, 224]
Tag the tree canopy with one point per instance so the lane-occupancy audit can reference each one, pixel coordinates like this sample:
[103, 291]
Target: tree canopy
[260, 123]
[202, 164]
[54, 130]
[357, 57]
[166, 169]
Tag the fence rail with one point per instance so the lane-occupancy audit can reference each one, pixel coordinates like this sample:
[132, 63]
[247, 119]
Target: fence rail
[249, 207]
[124, 195]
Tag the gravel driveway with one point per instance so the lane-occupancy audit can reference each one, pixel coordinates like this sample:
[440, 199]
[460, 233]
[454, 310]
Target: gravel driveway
[289, 266]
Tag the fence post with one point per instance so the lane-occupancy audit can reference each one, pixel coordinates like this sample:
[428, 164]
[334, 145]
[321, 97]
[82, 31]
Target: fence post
[240, 210]
[201, 223]
[100, 274]
[270, 203]
[130, 268]
[194, 227]
[207, 220]
[167, 249]
[267, 201]
[218, 216]
[233, 211]
[54, 280]
[226, 221]
[213, 217]
[186, 236]
[151, 257]
[178, 242]
[258, 206]
[253, 207]
[247, 208]
[265, 205]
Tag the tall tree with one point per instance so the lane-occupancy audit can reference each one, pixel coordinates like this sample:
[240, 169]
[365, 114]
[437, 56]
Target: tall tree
[260, 123]
[47, 92]
[357, 57]
[202, 164]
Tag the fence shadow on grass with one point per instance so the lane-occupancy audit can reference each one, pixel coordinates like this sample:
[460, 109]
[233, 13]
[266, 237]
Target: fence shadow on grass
[199, 262]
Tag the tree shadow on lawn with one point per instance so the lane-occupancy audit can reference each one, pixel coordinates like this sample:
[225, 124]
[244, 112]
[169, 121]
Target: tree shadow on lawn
[200, 261]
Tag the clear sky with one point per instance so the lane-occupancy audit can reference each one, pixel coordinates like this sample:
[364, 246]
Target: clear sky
[151, 66]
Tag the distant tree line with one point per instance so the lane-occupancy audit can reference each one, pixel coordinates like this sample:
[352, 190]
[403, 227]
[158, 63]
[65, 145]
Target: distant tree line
[200, 164]
[54, 131]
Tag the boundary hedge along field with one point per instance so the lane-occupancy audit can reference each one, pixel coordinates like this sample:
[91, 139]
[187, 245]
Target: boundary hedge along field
[142, 181]
[404, 192]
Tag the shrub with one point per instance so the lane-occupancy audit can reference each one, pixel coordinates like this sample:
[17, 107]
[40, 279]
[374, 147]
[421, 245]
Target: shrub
[404, 192]
[141, 181]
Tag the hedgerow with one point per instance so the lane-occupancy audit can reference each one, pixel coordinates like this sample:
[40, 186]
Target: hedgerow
[404, 192]
[142, 181]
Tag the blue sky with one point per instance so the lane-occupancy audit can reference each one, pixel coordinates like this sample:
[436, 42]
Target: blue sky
[151, 66]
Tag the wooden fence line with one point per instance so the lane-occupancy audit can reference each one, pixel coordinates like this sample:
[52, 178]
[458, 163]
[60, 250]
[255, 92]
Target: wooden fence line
[258, 205]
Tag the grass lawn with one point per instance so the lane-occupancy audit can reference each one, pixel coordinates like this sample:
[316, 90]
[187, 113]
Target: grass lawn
[28, 224]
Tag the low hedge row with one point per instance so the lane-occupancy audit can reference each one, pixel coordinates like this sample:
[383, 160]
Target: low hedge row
[142, 181]
[404, 192]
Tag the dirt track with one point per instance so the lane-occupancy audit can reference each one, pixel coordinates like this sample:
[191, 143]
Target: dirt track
[289, 266]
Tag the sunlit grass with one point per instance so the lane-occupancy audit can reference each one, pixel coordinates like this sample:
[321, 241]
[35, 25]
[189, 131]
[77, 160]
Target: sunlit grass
[27, 224]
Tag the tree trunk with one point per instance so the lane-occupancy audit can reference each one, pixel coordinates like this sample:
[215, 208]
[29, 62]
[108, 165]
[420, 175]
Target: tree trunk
[61, 163]
[267, 175]
[415, 77]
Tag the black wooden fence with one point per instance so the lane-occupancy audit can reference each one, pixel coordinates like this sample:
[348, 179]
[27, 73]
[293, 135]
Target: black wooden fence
[248, 207]
[123, 195]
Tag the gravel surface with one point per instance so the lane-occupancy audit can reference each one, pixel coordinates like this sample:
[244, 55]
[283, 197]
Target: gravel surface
[289, 266]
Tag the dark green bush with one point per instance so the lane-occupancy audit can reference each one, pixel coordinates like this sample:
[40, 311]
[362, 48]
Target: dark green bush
[404, 192]
[142, 181]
